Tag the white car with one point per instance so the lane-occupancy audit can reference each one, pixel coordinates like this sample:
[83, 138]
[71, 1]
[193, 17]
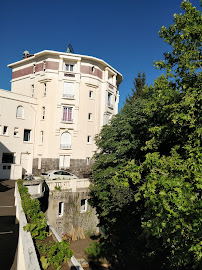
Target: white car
[59, 174]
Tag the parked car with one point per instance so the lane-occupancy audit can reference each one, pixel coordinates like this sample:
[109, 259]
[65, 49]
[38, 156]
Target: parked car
[59, 174]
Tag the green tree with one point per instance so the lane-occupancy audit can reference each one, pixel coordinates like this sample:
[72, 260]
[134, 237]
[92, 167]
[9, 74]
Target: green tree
[147, 176]
[137, 90]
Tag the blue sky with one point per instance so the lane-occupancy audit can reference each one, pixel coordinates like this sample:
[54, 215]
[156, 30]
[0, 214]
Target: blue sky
[123, 33]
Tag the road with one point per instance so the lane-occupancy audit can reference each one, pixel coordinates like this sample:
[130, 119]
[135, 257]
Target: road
[8, 226]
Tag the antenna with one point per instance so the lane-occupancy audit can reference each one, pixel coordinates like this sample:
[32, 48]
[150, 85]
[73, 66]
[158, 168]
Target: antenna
[70, 49]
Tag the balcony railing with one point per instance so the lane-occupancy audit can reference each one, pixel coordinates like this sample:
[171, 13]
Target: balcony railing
[67, 120]
[110, 105]
[71, 96]
[65, 146]
[71, 185]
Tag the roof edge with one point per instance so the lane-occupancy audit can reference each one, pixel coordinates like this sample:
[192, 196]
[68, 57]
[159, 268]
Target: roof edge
[36, 55]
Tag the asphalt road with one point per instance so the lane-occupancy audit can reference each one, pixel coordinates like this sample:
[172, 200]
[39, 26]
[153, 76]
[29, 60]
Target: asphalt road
[8, 226]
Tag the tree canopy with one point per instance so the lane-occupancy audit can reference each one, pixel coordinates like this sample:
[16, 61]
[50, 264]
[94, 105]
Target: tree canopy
[137, 90]
[147, 176]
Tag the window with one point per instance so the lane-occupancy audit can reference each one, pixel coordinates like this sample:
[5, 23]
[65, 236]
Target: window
[20, 112]
[41, 137]
[68, 90]
[67, 114]
[39, 163]
[65, 141]
[83, 207]
[90, 94]
[110, 79]
[45, 88]
[44, 66]
[34, 69]
[6, 167]
[90, 116]
[16, 132]
[109, 100]
[27, 135]
[32, 90]
[8, 158]
[69, 67]
[64, 161]
[5, 130]
[93, 69]
[43, 113]
[88, 139]
[87, 161]
[60, 209]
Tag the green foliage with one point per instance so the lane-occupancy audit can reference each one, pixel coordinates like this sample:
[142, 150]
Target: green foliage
[55, 253]
[31, 208]
[44, 262]
[37, 228]
[59, 253]
[146, 181]
[185, 37]
[57, 188]
[138, 90]
[94, 251]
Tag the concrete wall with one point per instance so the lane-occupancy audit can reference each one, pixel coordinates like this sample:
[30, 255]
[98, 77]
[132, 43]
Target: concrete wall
[11, 142]
[27, 257]
[72, 215]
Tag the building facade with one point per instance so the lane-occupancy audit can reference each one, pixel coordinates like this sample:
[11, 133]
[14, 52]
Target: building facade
[57, 104]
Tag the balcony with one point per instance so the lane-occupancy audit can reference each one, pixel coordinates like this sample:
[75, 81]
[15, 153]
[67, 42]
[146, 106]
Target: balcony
[69, 96]
[65, 146]
[70, 121]
[110, 105]
[69, 74]
[71, 185]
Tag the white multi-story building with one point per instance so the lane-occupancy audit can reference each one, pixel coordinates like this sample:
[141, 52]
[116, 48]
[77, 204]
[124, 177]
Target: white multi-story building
[57, 104]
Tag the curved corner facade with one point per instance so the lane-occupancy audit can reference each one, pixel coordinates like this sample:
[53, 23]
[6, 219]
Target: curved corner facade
[59, 101]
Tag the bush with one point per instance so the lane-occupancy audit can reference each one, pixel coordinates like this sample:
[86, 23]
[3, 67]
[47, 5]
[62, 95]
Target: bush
[31, 208]
[56, 253]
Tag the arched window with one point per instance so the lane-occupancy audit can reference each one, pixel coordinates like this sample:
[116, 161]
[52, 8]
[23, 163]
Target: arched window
[65, 141]
[20, 112]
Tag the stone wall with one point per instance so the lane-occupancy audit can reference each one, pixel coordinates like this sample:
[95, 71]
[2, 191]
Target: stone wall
[46, 165]
[78, 167]
[72, 215]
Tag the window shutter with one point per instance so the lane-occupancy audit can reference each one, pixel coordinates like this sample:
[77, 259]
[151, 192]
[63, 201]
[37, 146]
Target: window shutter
[66, 161]
[66, 140]
[61, 162]
[69, 114]
[68, 89]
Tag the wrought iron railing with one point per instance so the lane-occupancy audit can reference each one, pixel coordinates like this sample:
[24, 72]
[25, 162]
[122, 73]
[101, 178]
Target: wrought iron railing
[67, 120]
[68, 95]
[65, 146]
[110, 105]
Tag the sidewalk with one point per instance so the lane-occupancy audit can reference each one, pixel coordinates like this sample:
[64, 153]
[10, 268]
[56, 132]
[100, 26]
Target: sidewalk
[8, 228]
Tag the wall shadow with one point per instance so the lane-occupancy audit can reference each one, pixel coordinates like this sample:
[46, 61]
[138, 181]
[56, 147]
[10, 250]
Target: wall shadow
[4, 187]
[44, 200]
[9, 232]
[5, 170]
